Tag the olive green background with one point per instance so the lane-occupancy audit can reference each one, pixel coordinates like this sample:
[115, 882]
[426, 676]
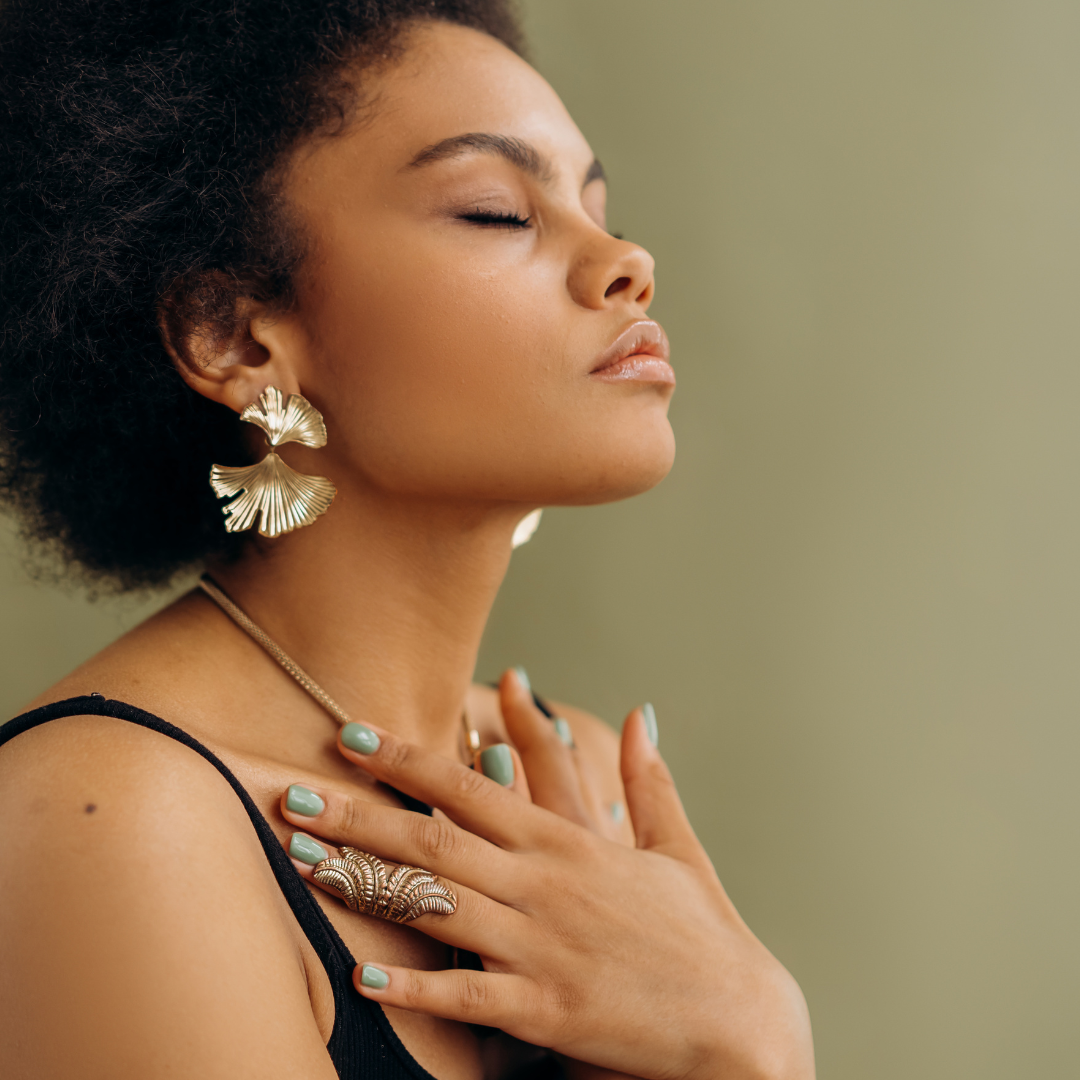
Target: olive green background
[855, 600]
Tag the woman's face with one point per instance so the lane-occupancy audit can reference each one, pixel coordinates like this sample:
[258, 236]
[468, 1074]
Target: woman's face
[464, 321]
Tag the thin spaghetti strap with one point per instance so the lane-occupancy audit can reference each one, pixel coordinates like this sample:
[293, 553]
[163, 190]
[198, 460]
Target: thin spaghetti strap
[289, 881]
[362, 1044]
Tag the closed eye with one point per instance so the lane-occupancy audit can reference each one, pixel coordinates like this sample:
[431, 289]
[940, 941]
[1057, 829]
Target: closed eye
[496, 220]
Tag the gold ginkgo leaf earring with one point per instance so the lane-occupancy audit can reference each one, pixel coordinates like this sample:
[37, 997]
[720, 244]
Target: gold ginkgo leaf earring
[286, 499]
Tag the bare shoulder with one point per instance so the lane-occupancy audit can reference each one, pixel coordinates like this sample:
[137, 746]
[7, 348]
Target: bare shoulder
[137, 911]
[151, 665]
[91, 784]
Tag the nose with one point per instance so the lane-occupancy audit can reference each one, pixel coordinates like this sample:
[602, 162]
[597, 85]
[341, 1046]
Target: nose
[612, 272]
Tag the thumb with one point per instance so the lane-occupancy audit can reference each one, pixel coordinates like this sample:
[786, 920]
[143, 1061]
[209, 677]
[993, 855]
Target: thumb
[656, 811]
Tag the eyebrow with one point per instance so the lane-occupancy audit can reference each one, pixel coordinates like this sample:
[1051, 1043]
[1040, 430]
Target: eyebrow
[518, 152]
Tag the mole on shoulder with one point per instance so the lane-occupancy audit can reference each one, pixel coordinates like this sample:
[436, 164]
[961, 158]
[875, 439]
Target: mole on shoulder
[89, 808]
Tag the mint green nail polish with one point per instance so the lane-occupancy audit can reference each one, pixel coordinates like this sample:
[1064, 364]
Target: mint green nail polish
[523, 677]
[562, 729]
[648, 714]
[618, 812]
[359, 738]
[374, 978]
[304, 849]
[302, 800]
[497, 764]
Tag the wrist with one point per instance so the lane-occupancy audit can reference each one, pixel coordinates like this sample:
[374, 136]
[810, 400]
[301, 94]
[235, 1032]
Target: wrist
[777, 1043]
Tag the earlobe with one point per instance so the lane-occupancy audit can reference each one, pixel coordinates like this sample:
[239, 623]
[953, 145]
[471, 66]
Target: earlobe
[231, 363]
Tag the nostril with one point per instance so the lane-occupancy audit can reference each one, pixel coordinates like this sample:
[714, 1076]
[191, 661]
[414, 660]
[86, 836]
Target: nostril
[617, 286]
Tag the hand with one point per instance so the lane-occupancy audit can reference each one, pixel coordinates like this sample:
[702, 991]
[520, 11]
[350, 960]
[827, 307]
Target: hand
[568, 767]
[629, 959]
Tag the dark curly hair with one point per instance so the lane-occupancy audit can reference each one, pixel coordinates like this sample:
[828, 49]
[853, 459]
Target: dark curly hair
[138, 142]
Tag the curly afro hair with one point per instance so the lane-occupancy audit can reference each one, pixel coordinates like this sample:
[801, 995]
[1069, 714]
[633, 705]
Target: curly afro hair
[138, 141]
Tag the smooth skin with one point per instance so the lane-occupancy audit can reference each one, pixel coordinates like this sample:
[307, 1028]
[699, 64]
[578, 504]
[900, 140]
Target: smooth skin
[453, 353]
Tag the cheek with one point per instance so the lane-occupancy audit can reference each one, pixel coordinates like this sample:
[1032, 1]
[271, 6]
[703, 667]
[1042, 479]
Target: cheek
[446, 377]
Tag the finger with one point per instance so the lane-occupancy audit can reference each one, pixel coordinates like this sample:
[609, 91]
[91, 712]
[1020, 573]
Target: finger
[548, 762]
[477, 923]
[591, 788]
[499, 762]
[478, 803]
[401, 835]
[656, 811]
[494, 999]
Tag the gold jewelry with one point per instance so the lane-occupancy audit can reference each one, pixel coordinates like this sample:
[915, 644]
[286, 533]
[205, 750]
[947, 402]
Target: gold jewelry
[259, 635]
[286, 499]
[256, 632]
[401, 896]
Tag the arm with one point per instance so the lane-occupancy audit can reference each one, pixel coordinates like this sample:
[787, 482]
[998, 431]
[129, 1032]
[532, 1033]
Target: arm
[141, 931]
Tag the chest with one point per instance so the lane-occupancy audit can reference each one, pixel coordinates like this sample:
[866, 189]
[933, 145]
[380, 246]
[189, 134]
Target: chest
[446, 1049]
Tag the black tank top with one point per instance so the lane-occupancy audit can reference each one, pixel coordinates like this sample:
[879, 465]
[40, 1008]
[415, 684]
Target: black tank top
[363, 1045]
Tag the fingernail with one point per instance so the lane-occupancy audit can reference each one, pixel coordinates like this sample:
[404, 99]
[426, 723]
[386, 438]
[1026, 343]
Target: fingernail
[618, 812]
[302, 800]
[562, 729]
[359, 738]
[304, 849]
[374, 978]
[497, 764]
[523, 677]
[648, 714]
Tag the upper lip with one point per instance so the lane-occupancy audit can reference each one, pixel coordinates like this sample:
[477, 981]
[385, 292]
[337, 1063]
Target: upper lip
[642, 337]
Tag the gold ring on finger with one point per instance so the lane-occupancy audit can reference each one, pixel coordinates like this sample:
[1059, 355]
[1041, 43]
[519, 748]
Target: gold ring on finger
[368, 887]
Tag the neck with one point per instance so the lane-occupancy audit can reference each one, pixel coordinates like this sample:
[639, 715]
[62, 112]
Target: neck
[383, 602]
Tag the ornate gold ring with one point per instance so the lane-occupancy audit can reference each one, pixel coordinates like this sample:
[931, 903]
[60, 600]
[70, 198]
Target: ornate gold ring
[368, 887]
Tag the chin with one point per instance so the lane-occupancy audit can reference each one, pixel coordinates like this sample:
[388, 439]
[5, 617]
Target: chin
[615, 476]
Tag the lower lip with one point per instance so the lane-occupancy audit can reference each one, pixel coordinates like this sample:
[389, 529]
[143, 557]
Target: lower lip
[638, 367]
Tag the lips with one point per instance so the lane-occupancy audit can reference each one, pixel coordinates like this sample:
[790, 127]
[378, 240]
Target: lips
[640, 352]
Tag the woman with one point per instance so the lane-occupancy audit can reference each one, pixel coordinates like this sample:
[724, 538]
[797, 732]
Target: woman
[373, 230]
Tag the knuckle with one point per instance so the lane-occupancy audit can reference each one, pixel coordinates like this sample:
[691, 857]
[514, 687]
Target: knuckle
[559, 1003]
[472, 994]
[566, 936]
[660, 775]
[351, 818]
[468, 784]
[535, 1020]
[414, 992]
[436, 841]
[395, 756]
[572, 849]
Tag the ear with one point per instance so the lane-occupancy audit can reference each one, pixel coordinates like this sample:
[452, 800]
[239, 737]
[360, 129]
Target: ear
[229, 348]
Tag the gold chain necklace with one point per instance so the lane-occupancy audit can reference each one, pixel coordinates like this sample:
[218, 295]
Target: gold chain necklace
[288, 664]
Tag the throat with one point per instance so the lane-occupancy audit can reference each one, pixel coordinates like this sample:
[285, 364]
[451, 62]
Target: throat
[376, 623]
